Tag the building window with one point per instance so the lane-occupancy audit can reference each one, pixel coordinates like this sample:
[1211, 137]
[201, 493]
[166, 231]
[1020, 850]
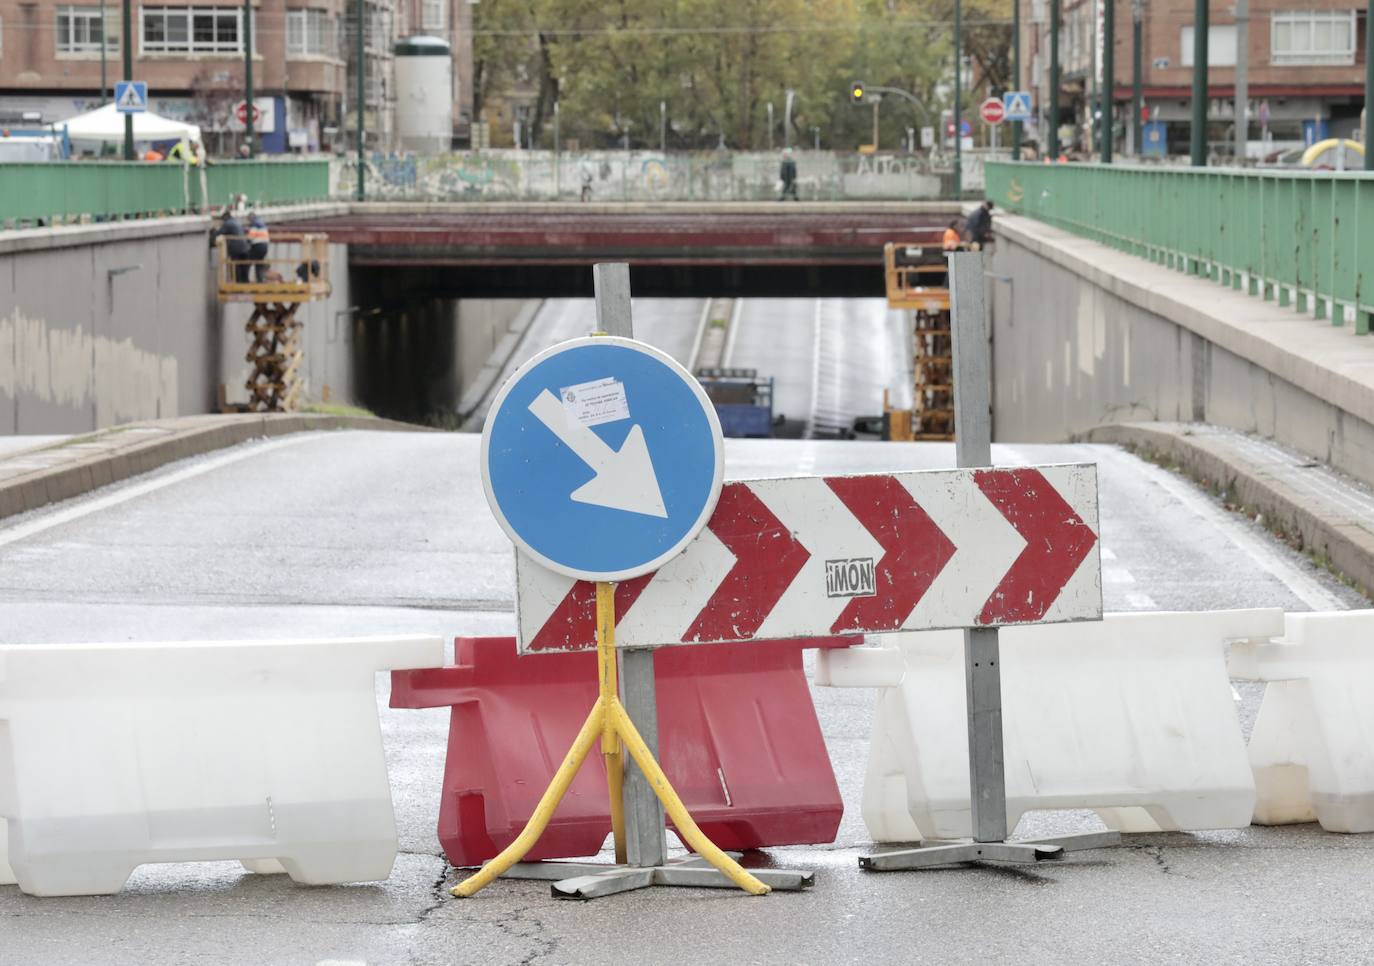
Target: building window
[1221, 46]
[192, 30]
[433, 14]
[80, 31]
[310, 33]
[1313, 37]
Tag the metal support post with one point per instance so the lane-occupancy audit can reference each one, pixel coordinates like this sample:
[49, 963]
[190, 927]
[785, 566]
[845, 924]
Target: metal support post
[646, 841]
[638, 823]
[1108, 77]
[362, 97]
[1053, 142]
[128, 76]
[248, 73]
[1369, 88]
[1137, 78]
[104, 47]
[1016, 74]
[877, 100]
[982, 665]
[1242, 108]
[958, 92]
[1198, 133]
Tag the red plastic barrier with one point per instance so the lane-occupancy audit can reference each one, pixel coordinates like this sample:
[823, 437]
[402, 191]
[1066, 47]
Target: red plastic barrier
[738, 738]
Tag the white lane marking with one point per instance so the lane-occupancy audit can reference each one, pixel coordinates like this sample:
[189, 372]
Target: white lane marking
[701, 334]
[1303, 586]
[727, 357]
[810, 430]
[1140, 601]
[50, 520]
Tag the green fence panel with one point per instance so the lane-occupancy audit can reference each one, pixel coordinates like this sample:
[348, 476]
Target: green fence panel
[1306, 231]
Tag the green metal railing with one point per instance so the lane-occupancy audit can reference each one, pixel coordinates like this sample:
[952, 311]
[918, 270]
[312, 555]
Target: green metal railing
[62, 192]
[1303, 238]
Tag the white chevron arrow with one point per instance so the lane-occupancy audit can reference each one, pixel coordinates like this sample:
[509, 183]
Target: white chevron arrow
[624, 480]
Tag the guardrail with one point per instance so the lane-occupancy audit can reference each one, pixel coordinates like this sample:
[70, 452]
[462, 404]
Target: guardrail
[1304, 238]
[63, 192]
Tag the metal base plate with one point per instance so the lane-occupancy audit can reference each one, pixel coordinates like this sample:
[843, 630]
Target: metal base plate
[595, 880]
[930, 854]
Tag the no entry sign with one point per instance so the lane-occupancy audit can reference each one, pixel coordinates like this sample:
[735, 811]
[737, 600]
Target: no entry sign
[992, 110]
[814, 556]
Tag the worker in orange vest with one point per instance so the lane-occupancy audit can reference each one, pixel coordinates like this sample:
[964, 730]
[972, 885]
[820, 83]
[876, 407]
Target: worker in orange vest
[951, 240]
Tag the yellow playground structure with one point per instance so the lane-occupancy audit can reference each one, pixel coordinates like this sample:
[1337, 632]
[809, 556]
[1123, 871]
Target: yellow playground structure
[296, 272]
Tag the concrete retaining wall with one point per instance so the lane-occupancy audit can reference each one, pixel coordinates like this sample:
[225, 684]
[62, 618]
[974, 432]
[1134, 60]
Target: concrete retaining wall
[1085, 336]
[102, 325]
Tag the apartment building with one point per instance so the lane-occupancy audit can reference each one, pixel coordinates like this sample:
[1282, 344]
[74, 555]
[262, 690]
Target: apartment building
[1305, 72]
[60, 59]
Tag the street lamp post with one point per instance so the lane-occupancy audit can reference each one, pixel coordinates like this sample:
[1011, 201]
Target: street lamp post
[362, 99]
[1198, 140]
[770, 125]
[958, 91]
[816, 136]
[1016, 74]
[662, 127]
[128, 76]
[1054, 80]
[1368, 90]
[248, 73]
[1137, 80]
[1108, 76]
[104, 77]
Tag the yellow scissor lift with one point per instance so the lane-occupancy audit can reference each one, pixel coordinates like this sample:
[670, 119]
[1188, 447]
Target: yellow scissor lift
[296, 271]
[917, 280]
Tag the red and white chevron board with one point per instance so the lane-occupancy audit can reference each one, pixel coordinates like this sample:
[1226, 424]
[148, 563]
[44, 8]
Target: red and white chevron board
[813, 556]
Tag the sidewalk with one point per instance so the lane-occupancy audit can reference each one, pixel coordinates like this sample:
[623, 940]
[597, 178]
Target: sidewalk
[34, 477]
[1321, 511]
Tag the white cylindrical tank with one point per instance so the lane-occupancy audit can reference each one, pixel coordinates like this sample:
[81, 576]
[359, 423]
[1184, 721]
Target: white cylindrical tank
[424, 94]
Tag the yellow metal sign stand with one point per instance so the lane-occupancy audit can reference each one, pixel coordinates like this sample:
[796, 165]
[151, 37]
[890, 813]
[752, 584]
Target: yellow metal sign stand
[609, 722]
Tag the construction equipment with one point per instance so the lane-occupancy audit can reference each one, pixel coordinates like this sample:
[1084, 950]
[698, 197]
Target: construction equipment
[296, 272]
[917, 280]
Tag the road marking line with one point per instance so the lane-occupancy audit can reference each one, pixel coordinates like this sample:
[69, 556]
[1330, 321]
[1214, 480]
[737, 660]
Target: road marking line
[810, 430]
[695, 358]
[56, 519]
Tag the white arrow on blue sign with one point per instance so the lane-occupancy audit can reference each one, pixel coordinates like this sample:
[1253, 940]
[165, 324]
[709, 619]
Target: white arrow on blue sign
[602, 458]
[131, 97]
[1016, 106]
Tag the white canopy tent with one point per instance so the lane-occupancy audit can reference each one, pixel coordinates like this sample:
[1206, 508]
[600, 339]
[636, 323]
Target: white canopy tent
[107, 124]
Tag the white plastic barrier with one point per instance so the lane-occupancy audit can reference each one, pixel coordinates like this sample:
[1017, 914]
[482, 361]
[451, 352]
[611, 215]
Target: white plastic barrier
[1312, 749]
[113, 755]
[1133, 717]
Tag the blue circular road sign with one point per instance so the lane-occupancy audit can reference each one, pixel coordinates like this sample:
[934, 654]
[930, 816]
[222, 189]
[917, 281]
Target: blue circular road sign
[602, 458]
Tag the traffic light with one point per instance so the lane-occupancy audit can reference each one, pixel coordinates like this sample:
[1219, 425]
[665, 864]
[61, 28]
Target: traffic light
[856, 92]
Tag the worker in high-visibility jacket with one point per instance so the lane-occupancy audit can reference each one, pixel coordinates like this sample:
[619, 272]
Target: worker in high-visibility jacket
[258, 240]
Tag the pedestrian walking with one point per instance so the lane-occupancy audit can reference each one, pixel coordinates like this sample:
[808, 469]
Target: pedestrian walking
[788, 174]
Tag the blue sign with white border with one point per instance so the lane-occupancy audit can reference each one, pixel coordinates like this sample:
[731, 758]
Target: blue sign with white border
[1016, 106]
[131, 97]
[602, 458]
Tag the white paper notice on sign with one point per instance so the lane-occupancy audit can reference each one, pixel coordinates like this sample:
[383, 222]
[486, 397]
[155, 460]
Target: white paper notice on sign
[597, 402]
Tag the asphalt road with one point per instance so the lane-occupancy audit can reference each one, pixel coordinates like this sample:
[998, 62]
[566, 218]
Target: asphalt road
[355, 533]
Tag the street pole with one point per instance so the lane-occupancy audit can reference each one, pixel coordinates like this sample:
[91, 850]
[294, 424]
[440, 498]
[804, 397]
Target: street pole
[1137, 79]
[1054, 81]
[1108, 76]
[1242, 109]
[787, 119]
[877, 99]
[1199, 132]
[662, 127]
[958, 92]
[362, 104]
[1016, 73]
[770, 126]
[1368, 91]
[128, 76]
[816, 135]
[104, 78]
[248, 73]
[557, 155]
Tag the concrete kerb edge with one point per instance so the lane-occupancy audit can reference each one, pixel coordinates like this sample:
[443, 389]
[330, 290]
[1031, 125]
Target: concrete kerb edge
[485, 382]
[44, 487]
[1339, 544]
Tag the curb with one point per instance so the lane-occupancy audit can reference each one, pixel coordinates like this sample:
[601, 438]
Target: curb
[38, 477]
[1337, 538]
[475, 399]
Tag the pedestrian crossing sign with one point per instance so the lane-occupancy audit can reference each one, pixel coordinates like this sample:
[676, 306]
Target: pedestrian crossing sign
[131, 97]
[1016, 105]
